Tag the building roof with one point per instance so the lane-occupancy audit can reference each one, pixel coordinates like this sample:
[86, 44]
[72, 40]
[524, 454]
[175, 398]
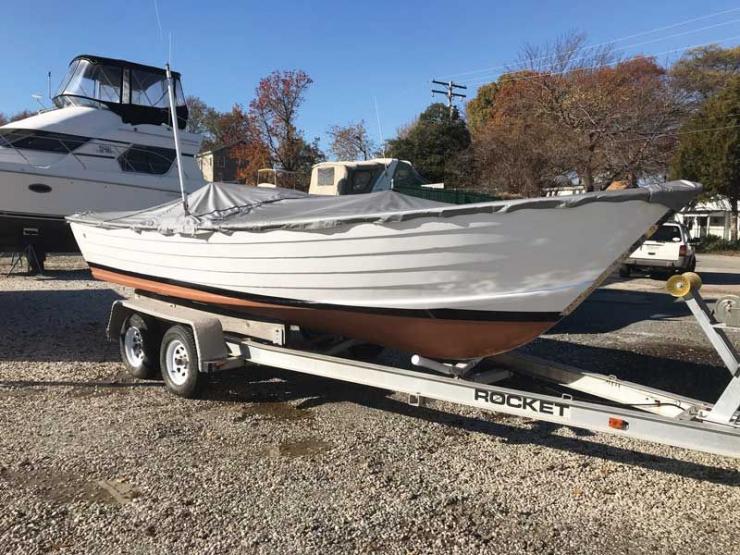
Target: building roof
[220, 148]
[717, 203]
[356, 163]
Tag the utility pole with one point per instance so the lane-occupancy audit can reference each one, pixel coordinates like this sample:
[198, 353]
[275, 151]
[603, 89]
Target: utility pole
[450, 92]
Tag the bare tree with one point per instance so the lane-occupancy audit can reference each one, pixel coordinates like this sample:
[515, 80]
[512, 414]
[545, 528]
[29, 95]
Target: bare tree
[585, 110]
[351, 142]
[279, 97]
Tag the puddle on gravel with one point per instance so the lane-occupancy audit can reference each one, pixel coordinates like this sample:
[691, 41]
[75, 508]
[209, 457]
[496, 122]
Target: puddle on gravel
[300, 448]
[59, 487]
[272, 411]
[85, 392]
[15, 392]
[77, 392]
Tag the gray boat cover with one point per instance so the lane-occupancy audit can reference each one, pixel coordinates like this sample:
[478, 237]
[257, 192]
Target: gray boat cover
[228, 207]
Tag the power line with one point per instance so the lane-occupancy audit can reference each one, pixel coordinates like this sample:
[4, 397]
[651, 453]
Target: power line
[597, 66]
[660, 39]
[678, 134]
[449, 93]
[591, 47]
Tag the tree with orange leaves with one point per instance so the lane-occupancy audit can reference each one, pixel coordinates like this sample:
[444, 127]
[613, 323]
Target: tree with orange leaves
[571, 110]
[274, 110]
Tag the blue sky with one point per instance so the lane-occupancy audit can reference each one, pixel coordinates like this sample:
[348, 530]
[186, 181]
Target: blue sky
[354, 51]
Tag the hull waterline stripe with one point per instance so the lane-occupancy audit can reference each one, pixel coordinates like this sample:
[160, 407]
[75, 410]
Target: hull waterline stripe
[435, 313]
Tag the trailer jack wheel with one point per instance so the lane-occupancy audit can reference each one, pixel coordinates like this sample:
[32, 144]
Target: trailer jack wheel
[139, 345]
[179, 362]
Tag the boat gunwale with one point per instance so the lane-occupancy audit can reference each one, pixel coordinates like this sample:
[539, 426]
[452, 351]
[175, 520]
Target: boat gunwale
[673, 195]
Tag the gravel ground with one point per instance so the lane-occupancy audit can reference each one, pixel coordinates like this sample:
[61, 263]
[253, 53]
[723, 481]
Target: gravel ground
[94, 462]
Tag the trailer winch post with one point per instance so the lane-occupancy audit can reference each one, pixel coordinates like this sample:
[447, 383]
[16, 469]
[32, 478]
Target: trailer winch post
[686, 286]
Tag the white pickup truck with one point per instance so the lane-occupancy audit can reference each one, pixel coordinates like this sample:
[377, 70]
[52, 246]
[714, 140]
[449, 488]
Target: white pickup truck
[667, 250]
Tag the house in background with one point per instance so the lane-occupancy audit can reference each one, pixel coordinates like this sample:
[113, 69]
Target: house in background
[707, 217]
[570, 185]
[221, 164]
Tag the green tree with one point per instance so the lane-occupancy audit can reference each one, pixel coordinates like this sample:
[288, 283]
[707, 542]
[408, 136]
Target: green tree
[480, 110]
[202, 119]
[308, 155]
[702, 72]
[434, 143]
[709, 148]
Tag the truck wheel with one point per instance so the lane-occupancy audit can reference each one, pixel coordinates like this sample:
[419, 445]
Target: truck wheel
[179, 361]
[692, 265]
[625, 270]
[139, 345]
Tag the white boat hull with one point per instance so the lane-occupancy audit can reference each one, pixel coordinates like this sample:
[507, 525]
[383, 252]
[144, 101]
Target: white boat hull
[514, 274]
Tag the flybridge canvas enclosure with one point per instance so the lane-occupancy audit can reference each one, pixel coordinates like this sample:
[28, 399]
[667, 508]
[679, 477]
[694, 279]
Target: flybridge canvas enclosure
[230, 207]
[136, 92]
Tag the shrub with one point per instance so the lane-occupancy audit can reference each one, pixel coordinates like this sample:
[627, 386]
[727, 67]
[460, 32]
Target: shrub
[714, 243]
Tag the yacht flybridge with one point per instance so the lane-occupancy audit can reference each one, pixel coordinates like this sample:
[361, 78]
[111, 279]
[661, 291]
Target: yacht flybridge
[106, 145]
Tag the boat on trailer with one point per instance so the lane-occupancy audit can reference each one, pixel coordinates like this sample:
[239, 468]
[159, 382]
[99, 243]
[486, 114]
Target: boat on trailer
[389, 269]
[443, 281]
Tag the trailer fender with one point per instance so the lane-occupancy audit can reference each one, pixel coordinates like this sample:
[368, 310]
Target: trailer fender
[207, 331]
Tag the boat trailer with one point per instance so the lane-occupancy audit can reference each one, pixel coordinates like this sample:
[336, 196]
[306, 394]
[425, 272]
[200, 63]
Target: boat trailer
[189, 342]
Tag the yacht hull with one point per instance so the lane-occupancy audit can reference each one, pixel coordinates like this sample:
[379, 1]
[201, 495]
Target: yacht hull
[464, 286]
[77, 159]
[45, 233]
[33, 206]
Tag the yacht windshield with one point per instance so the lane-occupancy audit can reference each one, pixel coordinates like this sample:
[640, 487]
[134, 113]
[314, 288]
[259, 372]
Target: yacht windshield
[109, 83]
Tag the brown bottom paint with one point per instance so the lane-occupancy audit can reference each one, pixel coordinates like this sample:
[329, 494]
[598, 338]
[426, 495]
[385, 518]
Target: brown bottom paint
[430, 337]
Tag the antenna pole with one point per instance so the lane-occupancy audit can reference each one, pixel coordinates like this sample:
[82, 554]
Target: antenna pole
[176, 133]
[449, 93]
[48, 77]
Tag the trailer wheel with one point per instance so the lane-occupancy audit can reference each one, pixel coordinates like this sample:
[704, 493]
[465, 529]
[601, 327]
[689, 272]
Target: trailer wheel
[179, 361]
[139, 345]
[625, 270]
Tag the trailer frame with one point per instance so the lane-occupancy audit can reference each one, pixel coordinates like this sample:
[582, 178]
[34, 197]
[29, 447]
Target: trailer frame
[224, 341]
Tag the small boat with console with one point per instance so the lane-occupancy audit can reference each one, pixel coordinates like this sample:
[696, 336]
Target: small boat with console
[445, 281]
[106, 145]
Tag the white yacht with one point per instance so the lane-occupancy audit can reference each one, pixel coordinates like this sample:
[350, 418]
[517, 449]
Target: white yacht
[106, 145]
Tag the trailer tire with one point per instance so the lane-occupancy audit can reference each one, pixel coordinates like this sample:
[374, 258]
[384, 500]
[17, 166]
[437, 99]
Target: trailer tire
[178, 359]
[139, 346]
[625, 270]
